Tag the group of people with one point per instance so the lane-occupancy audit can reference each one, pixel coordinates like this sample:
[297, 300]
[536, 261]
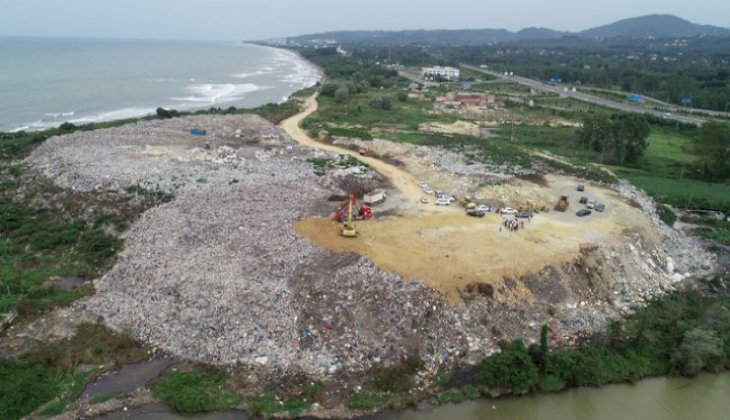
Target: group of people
[512, 224]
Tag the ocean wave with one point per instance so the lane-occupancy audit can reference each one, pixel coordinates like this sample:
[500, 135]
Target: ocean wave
[249, 74]
[301, 74]
[117, 114]
[60, 114]
[213, 93]
[53, 119]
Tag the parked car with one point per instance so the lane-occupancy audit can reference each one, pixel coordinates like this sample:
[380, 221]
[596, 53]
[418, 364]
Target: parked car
[581, 187]
[422, 184]
[524, 214]
[442, 202]
[591, 204]
[583, 212]
[483, 207]
[424, 199]
[600, 207]
[583, 200]
[508, 210]
[475, 213]
[428, 190]
[451, 198]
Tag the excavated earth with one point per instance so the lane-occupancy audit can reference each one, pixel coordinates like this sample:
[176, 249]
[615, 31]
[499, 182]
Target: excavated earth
[241, 268]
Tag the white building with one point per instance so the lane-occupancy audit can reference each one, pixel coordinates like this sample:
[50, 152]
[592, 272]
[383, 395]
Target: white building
[447, 73]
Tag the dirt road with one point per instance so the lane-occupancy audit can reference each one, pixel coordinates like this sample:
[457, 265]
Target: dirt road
[401, 180]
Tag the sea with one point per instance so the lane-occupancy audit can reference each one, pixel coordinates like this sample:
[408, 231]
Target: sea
[45, 82]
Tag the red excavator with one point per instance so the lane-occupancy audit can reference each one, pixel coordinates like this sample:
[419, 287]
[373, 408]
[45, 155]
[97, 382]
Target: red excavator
[363, 212]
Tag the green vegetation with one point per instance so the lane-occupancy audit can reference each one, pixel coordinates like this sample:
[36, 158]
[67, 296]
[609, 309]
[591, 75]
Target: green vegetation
[711, 228]
[712, 145]
[267, 405]
[451, 396]
[196, 391]
[684, 333]
[666, 214]
[36, 244]
[322, 165]
[368, 401]
[620, 139]
[52, 374]
[145, 193]
[74, 386]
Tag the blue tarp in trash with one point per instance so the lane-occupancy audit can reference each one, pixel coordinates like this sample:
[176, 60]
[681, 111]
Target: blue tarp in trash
[198, 132]
[634, 97]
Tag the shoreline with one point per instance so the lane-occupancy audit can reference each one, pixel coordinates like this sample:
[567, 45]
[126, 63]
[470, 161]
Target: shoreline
[242, 91]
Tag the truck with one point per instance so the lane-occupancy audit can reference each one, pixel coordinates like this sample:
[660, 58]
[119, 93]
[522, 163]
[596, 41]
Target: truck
[374, 197]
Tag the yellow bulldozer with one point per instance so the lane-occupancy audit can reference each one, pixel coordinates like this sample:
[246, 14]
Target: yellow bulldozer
[468, 202]
[562, 204]
[367, 151]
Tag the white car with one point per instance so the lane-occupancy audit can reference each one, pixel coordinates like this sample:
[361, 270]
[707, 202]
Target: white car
[590, 204]
[424, 199]
[428, 190]
[508, 210]
[442, 202]
[451, 198]
[422, 184]
[484, 208]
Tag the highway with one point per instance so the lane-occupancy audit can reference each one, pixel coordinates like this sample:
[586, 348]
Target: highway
[581, 96]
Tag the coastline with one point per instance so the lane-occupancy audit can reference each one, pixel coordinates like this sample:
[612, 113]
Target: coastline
[245, 79]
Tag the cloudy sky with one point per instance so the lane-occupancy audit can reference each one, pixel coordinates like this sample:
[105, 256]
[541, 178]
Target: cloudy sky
[258, 19]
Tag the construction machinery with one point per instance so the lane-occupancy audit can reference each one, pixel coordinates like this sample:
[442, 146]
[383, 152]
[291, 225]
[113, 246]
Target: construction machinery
[562, 204]
[367, 151]
[468, 202]
[374, 197]
[350, 207]
[348, 212]
[348, 228]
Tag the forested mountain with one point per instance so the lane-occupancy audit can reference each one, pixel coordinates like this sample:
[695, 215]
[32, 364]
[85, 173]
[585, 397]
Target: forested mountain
[651, 26]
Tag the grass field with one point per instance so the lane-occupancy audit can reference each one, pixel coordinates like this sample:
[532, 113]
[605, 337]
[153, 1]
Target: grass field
[666, 174]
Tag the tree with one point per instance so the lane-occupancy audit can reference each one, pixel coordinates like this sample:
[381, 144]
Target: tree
[620, 138]
[632, 130]
[712, 144]
[380, 102]
[329, 89]
[402, 96]
[342, 94]
[67, 126]
[700, 349]
[512, 369]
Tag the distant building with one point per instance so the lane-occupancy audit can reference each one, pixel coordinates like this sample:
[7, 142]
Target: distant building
[434, 73]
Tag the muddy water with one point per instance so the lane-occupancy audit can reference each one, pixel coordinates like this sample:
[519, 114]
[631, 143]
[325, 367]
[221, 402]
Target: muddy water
[705, 397]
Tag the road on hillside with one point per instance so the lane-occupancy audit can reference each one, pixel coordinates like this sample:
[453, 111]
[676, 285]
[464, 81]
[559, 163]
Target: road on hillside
[400, 179]
[581, 96]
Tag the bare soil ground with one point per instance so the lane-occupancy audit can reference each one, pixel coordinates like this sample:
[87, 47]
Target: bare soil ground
[450, 250]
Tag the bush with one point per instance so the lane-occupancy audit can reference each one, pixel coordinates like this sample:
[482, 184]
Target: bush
[329, 90]
[512, 369]
[368, 401]
[342, 94]
[666, 214]
[195, 391]
[402, 96]
[380, 102]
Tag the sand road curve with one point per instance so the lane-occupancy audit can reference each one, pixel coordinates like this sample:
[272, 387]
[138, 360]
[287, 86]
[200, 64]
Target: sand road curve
[401, 180]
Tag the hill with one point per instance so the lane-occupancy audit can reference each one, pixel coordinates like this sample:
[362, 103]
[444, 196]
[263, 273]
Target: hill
[650, 26]
[656, 26]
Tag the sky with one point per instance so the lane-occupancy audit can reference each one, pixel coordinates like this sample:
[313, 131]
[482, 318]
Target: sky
[263, 19]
